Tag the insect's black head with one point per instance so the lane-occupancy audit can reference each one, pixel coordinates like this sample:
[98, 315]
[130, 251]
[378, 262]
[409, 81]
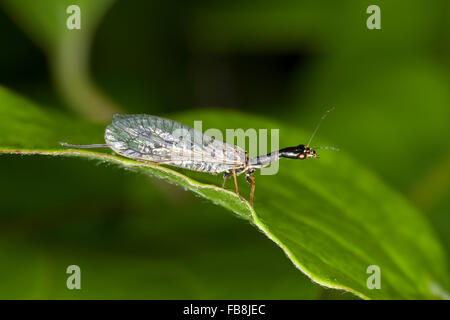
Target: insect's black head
[299, 152]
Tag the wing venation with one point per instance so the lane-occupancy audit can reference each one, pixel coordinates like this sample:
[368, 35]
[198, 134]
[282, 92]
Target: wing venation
[160, 140]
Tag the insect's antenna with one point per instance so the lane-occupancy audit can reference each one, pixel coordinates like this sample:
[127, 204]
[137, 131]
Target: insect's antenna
[318, 125]
[332, 148]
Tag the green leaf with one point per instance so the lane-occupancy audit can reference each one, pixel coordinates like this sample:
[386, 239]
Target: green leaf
[331, 217]
[137, 253]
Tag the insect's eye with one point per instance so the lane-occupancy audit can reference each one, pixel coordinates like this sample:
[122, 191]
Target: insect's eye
[302, 156]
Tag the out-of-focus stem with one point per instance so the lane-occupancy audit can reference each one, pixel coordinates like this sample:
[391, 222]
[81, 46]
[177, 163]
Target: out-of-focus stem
[70, 68]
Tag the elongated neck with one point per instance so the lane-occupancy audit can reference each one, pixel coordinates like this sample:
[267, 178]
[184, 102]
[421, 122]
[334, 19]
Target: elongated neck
[286, 152]
[264, 160]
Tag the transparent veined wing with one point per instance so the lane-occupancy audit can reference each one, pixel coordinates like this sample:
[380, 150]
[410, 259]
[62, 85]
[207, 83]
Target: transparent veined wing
[151, 138]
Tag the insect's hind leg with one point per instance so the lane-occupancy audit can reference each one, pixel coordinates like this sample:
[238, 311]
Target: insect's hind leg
[233, 172]
[251, 180]
[225, 177]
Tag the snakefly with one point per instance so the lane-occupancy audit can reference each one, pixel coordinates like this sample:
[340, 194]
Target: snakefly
[158, 140]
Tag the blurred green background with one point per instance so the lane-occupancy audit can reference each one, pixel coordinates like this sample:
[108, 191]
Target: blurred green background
[139, 238]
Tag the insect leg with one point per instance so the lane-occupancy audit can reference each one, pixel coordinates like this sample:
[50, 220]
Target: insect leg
[233, 171]
[225, 176]
[224, 180]
[251, 180]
